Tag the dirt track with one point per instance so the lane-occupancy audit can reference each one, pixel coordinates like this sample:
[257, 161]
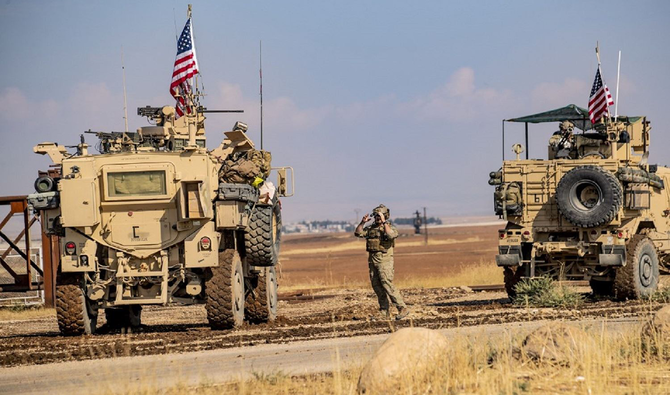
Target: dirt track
[331, 314]
[158, 373]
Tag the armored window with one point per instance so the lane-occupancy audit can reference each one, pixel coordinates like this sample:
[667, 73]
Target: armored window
[136, 183]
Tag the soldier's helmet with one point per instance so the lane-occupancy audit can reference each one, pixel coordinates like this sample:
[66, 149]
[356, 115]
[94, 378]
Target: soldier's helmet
[566, 126]
[382, 209]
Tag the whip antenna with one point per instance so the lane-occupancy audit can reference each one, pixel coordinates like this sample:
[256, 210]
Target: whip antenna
[260, 73]
[616, 100]
[125, 99]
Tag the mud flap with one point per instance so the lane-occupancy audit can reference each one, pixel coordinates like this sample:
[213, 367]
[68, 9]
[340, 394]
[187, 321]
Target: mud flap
[611, 259]
[508, 260]
[612, 256]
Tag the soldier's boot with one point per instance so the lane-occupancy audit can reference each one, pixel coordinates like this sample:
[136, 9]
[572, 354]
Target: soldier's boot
[383, 315]
[402, 313]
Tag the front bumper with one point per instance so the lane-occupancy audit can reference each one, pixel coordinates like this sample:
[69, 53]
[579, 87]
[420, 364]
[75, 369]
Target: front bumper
[587, 253]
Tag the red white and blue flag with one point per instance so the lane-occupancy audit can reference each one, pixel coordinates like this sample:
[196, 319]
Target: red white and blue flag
[185, 67]
[600, 99]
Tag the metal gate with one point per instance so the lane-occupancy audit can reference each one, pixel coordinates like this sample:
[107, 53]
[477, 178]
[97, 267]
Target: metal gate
[22, 272]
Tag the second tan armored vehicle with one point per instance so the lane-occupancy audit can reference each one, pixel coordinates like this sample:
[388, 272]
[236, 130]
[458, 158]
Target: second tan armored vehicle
[156, 219]
[593, 210]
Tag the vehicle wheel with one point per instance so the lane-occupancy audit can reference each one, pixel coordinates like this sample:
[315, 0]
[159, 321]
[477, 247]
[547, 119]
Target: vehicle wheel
[124, 317]
[589, 196]
[225, 292]
[261, 301]
[639, 278]
[512, 276]
[76, 314]
[263, 235]
[602, 288]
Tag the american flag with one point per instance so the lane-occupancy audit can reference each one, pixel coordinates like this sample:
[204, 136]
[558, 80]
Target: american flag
[600, 99]
[185, 67]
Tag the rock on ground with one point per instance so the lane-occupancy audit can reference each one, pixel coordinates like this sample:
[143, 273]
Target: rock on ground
[556, 343]
[409, 352]
[655, 333]
[659, 325]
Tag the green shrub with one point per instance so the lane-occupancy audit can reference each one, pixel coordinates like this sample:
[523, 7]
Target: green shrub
[545, 292]
[661, 295]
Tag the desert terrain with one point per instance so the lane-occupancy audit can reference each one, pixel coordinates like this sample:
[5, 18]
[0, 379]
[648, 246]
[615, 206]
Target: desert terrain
[324, 294]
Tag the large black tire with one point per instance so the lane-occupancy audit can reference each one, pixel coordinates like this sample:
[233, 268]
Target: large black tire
[512, 276]
[639, 278]
[261, 302]
[76, 314]
[589, 196]
[263, 236]
[225, 292]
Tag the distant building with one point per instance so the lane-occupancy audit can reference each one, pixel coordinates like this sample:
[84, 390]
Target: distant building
[326, 226]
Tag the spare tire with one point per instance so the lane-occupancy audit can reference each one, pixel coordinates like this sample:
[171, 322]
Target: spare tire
[263, 235]
[589, 196]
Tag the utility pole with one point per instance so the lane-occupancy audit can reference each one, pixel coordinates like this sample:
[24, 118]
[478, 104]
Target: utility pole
[425, 224]
[357, 211]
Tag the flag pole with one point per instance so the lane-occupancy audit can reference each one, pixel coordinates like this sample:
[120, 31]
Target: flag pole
[190, 96]
[616, 101]
[601, 74]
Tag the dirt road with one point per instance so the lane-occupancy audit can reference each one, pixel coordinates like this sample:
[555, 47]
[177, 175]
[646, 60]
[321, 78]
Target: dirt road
[326, 314]
[177, 338]
[158, 372]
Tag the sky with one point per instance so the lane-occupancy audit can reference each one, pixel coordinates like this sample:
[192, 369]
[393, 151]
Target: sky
[370, 102]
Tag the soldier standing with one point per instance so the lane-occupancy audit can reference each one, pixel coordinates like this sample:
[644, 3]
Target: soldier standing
[380, 239]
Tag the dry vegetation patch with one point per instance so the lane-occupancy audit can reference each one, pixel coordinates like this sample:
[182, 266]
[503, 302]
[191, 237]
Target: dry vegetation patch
[605, 364]
[22, 312]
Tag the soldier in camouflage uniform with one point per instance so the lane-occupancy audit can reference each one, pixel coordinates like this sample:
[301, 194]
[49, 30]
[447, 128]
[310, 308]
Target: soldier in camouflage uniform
[380, 239]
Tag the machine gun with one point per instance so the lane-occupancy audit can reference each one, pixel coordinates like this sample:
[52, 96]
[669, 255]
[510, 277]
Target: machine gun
[115, 141]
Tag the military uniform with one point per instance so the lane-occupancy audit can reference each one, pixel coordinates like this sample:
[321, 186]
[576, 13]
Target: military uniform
[379, 245]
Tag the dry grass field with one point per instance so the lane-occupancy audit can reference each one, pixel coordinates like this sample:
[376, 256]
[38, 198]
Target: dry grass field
[454, 256]
[325, 293]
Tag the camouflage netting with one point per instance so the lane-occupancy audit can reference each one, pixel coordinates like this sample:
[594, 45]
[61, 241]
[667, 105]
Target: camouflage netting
[245, 167]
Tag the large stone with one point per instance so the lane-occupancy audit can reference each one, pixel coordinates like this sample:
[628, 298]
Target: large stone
[656, 333]
[659, 325]
[409, 352]
[556, 343]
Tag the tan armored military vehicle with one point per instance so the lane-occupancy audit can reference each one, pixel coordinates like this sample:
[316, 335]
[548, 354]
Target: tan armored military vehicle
[156, 218]
[594, 210]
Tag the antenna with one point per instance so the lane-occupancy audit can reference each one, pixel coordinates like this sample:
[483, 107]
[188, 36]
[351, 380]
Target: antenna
[601, 76]
[616, 101]
[125, 99]
[260, 73]
[176, 33]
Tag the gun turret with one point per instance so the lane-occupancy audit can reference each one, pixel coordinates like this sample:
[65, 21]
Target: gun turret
[160, 115]
[115, 141]
[149, 111]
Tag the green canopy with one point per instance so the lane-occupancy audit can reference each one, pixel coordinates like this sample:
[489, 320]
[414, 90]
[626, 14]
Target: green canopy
[575, 114]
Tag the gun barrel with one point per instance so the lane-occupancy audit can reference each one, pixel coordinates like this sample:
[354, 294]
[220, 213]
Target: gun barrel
[149, 111]
[220, 111]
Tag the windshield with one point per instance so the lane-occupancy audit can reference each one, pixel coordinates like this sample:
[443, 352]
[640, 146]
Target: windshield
[136, 183]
